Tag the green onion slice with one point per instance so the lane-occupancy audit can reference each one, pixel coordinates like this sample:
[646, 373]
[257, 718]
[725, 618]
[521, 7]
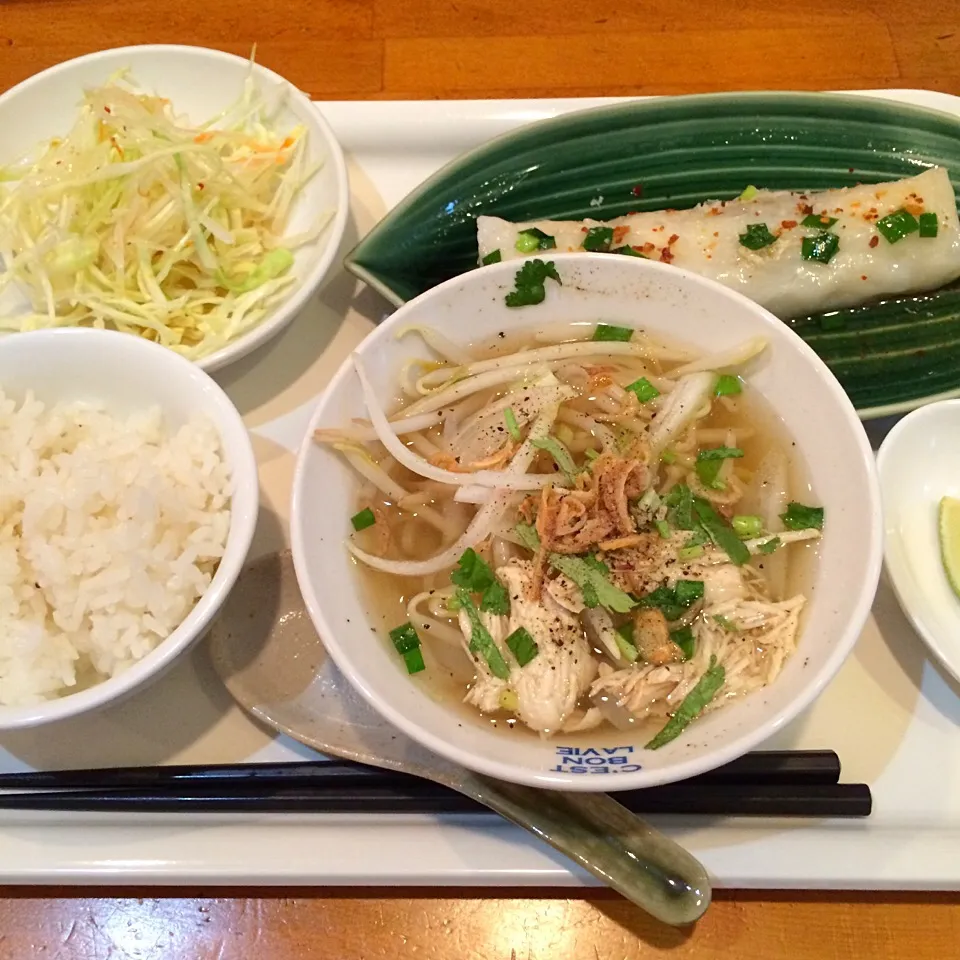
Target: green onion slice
[929, 224]
[404, 638]
[821, 248]
[522, 646]
[494, 256]
[747, 526]
[598, 239]
[414, 661]
[643, 390]
[513, 428]
[365, 518]
[607, 332]
[534, 239]
[819, 221]
[727, 386]
[756, 237]
[685, 640]
[897, 225]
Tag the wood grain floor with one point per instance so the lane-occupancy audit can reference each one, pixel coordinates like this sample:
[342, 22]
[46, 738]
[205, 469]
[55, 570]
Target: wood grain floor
[400, 49]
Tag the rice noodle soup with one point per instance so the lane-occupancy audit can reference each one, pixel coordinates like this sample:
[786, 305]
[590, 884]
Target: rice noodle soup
[580, 527]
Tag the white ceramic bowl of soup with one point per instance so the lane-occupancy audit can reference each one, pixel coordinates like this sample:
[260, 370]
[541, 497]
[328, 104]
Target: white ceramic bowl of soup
[199, 83]
[799, 391]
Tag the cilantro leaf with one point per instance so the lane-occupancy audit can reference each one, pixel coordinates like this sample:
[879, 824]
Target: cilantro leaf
[800, 517]
[529, 283]
[474, 575]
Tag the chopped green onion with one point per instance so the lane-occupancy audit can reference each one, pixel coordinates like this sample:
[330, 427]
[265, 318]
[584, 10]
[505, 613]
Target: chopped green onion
[685, 640]
[819, 221]
[643, 390]
[897, 225]
[534, 239]
[598, 239]
[530, 283]
[414, 661]
[624, 637]
[692, 552]
[692, 706]
[668, 457]
[769, 546]
[365, 518]
[747, 526]
[748, 194]
[513, 428]
[480, 640]
[522, 646]
[405, 638]
[629, 252]
[800, 517]
[756, 237]
[727, 386]
[722, 535]
[494, 256]
[561, 455]
[719, 453]
[473, 573]
[821, 248]
[710, 461]
[591, 454]
[663, 528]
[725, 623]
[929, 225]
[606, 331]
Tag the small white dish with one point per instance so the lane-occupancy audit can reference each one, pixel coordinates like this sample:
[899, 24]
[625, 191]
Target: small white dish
[199, 83]
[919, 462]
[128, 374]
[802, 394]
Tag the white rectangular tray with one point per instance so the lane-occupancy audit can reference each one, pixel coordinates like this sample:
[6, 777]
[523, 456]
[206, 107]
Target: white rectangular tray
[890, 715]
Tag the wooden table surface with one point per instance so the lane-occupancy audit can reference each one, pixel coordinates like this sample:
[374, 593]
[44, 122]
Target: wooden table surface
[401, 49]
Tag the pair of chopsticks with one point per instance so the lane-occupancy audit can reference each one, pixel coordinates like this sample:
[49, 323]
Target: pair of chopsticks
[768, 784]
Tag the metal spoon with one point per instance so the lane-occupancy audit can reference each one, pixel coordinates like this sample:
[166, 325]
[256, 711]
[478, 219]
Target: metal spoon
[265, 649]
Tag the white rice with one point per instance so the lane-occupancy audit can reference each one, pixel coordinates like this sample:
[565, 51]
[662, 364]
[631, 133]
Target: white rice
[111, 529]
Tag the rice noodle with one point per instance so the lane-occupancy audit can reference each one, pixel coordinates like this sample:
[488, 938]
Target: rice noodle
[725, 360]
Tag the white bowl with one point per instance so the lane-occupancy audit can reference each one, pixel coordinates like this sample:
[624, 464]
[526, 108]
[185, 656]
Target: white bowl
[640, 293]
[199, 83]
[919, 462]
[128, 374]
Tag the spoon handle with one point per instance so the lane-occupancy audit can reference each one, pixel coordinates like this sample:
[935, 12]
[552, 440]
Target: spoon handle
[602, 836]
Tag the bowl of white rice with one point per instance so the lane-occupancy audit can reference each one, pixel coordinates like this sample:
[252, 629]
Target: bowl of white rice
[128, 502]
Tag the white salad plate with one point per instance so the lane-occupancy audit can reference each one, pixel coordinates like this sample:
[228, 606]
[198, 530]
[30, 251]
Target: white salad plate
[919, 462]
[890, 713]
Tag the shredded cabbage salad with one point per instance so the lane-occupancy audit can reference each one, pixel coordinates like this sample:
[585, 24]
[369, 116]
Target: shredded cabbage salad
[139, 222]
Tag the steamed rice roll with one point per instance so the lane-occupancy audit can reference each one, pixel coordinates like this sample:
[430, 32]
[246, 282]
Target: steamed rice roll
[792, 252]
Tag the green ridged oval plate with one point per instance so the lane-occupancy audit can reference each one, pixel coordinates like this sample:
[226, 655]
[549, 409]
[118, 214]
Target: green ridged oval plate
[890, 356]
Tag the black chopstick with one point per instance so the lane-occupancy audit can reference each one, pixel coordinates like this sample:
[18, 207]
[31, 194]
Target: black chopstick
[425, 797]
[762, 767]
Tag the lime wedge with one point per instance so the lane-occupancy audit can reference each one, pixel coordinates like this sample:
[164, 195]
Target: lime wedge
[950, 540]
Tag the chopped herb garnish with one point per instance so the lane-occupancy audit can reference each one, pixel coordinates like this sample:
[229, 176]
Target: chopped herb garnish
[725, 623]
[663, 528]
[897, 225]
[494, 256]
[474, 574]
[747, 526]
[598, 239]
[588, 573]
[727, 386]
[709, 462]
[668, 457]
[691, 552]
[748, 194]
[674, 602]
[529, 283]
[756, 237]
[800, 517]
[629, 252]
[404, 638]
[685, 640]
[768, 546]
[692, 706]
[365, 518]
[513, 428]
[414, 661]
[929, 224]
[480, 640]
[821, 248]
[561, 455]
[534, 239]
[624, 637]
[591, 454]
[722, 535]
[522, 646]
[643, 390]
[680, 507]
[606, 331]
[819, 221]
[594, 584]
